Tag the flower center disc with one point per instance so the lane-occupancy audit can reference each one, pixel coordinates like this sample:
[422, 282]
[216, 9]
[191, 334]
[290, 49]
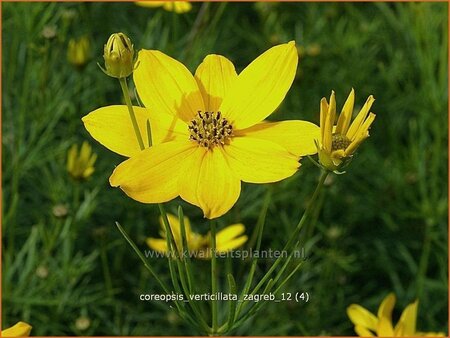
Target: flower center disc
[339, 142]
[210, 129]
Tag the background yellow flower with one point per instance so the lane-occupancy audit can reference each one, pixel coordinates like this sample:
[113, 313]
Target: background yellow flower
[229, 238]
[340, 140]
[79, 51]
[368, 325]
[170, 6]
[80, 163]
[20, 329]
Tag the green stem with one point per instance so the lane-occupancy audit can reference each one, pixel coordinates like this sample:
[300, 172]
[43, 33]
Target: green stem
[213, 277]
[126, 95]
[293, 238]
[105, 268]
[423, 263]
[76, 196]
[142, 258]
[258, 239]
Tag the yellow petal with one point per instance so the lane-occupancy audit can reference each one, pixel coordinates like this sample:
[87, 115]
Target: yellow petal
[71, 158]
[177, 6]
[182, 6]
[88, 172]
[362, 317]
[260, 161]
[329, 123]
[323, 116]
[386, 307]
[408, 319]
[166, 86]
[361, 135]
[166, 128]
[150, 4]
[363, 332]
[295, 136]
[384, 328]
[230, 232]
[328, 160]
[359, 120]
[261, 86]
[21, 329]
[209, 183]
[232, 244]
[215, 76]
[111, 126]
[152, 175]
[157, 244]
[230, 237]
[346, 114]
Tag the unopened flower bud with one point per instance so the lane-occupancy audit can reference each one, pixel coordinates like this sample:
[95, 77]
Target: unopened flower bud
[119, 56]
[79, 52]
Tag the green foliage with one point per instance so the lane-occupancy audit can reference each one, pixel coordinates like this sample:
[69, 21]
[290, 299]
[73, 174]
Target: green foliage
[383, 225]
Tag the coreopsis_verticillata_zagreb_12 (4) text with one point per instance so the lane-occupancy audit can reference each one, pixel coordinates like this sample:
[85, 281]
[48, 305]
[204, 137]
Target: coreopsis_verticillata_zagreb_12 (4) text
[208, 130]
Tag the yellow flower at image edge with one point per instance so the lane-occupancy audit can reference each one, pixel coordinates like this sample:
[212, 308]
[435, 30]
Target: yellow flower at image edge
[21, 329]
[170, 6]
[80, 164]
[339, 142]
[229, 238]
[369, 325]
[208, 130]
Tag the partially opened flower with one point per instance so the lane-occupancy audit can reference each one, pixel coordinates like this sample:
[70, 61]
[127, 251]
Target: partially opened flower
[21, 329]
[369, 325]
[339, 142]
[208, 131]
[80, 163]
[170, 6]
[227, 239]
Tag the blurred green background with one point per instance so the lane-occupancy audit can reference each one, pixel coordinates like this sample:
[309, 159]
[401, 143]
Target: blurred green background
[66, 269]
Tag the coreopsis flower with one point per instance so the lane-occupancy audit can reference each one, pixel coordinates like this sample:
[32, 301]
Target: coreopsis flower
[21, 329]
[79, 51]
[119, 56]
[339, 141]
[178, 7]
[229, 238]
[208, 130]
[369, 325]
[80, 164]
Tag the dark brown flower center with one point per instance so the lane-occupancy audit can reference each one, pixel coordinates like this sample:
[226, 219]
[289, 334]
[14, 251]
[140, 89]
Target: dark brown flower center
[210, 129]
[339, 142]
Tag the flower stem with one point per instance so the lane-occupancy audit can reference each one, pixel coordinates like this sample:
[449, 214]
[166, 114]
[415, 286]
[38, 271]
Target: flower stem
[293, 239]
[126, 95]
[213, 277]
[423, 262]
[141, 257]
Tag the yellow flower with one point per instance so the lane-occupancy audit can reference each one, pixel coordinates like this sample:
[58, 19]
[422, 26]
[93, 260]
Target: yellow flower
[170, 6]
[208, 130]
[339, 142]
[227, 239]
[369, 325]
[80, 165]
[21, 329]
[79, 51]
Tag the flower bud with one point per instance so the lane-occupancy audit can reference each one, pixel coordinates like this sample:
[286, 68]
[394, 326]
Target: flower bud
[119, 56]
[79, 52]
